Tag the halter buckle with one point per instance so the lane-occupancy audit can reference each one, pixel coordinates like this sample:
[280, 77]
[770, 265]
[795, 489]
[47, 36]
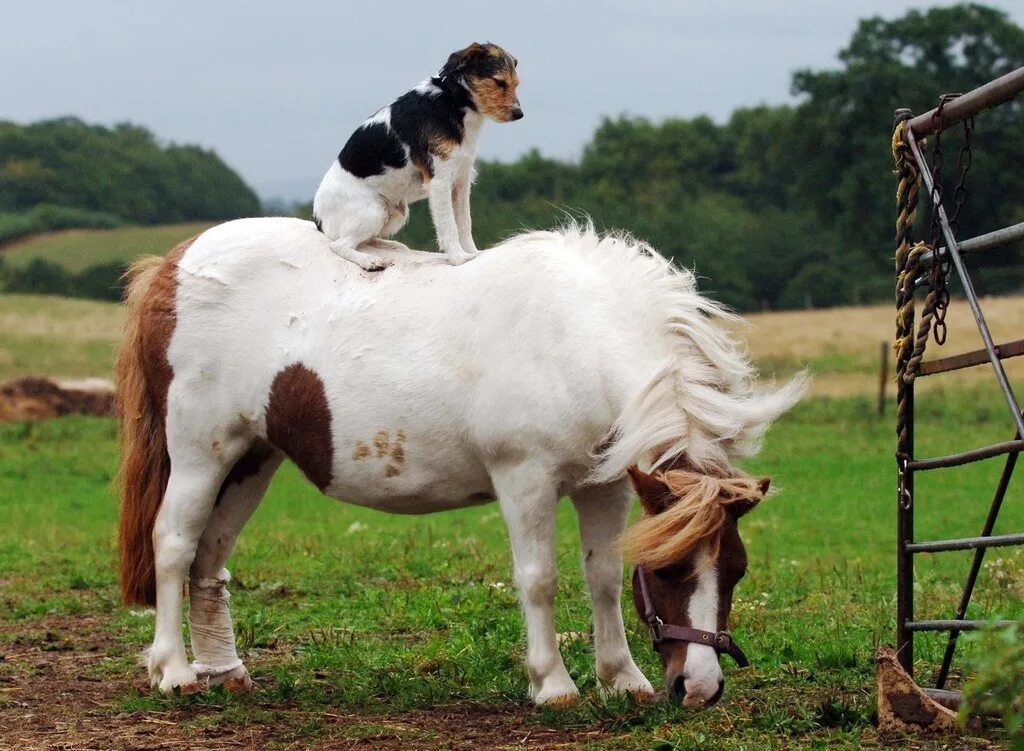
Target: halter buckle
[655, 625]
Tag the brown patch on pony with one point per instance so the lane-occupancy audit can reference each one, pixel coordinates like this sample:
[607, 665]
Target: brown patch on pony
[362, 451]
[299, 422]
[697, 516]
[248, 466]
[392, 471]
[388, 448]
[143, 376]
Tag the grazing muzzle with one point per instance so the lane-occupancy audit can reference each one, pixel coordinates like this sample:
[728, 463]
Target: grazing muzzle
[722, 641]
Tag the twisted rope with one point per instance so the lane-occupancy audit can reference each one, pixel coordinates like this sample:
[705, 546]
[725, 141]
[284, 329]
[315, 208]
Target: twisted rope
[908, 256]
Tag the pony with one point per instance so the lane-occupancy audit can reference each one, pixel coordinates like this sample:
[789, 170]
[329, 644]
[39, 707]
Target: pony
[546, 368]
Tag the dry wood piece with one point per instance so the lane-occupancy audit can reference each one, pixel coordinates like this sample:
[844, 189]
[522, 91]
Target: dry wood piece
[902, 706]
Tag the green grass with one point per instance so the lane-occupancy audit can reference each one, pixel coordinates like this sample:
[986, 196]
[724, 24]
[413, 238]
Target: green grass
[57, 336]
[77, 250]
[339, 608]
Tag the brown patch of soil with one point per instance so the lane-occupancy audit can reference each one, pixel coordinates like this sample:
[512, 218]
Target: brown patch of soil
[57, 693]
[40, 398]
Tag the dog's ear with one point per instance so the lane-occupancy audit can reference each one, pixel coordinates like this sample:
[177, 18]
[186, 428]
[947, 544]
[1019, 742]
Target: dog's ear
[461, 60]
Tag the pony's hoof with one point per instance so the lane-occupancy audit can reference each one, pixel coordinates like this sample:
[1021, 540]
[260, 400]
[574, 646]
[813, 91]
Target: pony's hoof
[243, 685]
[556, 693]
[562, 701]
[183, 679]
[183, 685]
[195, 687]
[236, 681]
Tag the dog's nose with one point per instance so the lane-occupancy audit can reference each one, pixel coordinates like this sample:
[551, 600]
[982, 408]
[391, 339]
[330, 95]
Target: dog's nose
[517, 113]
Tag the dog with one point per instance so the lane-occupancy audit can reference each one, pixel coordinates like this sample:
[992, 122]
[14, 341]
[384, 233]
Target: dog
[421, 146]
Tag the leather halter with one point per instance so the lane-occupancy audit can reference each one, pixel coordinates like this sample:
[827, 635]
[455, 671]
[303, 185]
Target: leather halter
[721, 642]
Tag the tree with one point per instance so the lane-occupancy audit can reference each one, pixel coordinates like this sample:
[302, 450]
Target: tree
[842, 127]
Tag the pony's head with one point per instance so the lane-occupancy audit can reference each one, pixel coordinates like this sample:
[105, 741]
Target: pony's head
[689, 558]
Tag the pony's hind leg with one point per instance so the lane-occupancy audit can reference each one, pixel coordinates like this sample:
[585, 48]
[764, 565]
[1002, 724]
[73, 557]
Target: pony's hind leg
[198, 467]
[602, 512]
[209, 617]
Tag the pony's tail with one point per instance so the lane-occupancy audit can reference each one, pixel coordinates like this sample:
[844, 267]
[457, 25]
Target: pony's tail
[145, 464]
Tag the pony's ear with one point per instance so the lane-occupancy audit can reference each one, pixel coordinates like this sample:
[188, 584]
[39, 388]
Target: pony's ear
[742, 506]
[655, 495]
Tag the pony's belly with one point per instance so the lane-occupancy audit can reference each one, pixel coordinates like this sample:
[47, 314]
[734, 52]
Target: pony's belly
[409, 487]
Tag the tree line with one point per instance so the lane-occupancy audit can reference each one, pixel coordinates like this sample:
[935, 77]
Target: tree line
[121, 171]
[788, 206]
[777, 207]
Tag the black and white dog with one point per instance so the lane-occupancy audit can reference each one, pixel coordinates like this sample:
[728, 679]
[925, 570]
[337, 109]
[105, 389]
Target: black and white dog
[422, 146]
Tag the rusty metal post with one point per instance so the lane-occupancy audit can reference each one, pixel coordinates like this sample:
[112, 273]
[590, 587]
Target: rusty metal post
[1002, 89]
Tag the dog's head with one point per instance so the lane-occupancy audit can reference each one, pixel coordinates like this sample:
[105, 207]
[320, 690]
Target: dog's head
[489, 74]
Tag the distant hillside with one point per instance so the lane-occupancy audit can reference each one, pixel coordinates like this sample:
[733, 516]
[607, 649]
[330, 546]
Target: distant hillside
[122, 172]
[79, 249]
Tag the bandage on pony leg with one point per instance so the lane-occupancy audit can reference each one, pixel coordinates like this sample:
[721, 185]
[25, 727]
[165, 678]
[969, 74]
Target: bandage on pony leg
[213, 635]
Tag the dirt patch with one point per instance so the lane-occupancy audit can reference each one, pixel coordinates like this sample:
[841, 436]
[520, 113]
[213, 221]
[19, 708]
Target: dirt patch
[63, 686]
[41, 398]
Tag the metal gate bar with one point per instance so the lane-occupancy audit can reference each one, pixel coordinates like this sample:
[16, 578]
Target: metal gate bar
[913, 169]
[970, 359]
[987, 241]
[966, 543]
[972, 575]
[953, 248]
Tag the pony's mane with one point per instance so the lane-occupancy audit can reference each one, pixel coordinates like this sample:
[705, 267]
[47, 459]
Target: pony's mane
[703, 400]
[696, 517]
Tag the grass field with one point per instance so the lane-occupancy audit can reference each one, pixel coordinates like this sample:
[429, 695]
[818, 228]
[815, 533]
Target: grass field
[384, 621]
[76, 338]
[365, 630]
[78, 249]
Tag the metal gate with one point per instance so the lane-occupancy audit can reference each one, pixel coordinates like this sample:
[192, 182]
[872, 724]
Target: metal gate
[925, 267]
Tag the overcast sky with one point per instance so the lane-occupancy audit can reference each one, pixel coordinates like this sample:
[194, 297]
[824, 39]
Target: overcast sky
[276, 87]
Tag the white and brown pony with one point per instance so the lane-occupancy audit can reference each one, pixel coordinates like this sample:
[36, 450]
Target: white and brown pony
[544, 368]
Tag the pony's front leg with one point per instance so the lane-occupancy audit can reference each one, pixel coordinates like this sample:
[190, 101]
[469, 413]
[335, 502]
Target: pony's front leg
[528, 498]
[602, 512]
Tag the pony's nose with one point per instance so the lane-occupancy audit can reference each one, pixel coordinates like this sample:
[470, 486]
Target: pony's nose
[677, 688]
[517, 112]
[718, 694]
[699, 694]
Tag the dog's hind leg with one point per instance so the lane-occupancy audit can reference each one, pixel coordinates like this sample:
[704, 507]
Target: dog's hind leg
[209, 617]
[358, 223]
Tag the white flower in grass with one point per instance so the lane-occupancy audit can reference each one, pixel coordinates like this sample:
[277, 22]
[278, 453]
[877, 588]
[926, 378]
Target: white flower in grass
[357, 527]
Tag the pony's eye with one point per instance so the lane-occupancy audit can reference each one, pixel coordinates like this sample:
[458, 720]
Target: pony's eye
[502, 84]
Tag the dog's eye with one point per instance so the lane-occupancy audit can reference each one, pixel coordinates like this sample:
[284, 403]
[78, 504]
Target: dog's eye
[501, 82]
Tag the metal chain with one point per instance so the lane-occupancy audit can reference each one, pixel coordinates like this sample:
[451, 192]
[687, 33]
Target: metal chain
[940, 264]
